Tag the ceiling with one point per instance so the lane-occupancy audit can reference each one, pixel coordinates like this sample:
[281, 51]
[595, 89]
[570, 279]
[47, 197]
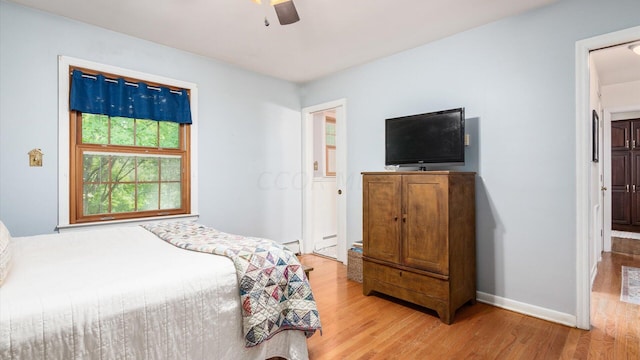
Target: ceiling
[332, 35]
[617, 64]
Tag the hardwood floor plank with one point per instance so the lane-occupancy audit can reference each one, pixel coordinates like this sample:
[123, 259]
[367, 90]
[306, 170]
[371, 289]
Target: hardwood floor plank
[380, 327]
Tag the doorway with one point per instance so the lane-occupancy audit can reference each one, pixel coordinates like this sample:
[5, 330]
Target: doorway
[324, 199]
[586, 188]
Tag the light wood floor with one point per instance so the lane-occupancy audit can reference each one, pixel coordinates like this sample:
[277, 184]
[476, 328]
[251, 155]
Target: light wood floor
[378, 327]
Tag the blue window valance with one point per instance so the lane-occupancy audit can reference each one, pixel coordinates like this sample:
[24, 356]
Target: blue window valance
[97, 94]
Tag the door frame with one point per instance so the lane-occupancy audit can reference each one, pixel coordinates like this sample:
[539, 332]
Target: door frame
[583, 165]
[341, 174]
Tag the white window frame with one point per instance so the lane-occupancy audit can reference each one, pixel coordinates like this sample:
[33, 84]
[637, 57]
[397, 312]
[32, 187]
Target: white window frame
[64, 64]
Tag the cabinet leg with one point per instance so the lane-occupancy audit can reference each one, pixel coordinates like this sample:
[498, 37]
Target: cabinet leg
[366, 288]
[446, 316]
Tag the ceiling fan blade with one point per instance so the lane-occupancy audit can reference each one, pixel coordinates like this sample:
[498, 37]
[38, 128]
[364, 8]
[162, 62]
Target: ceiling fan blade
[287, 13]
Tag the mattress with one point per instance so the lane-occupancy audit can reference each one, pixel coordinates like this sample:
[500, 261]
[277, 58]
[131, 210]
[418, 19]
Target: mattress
[122, 293]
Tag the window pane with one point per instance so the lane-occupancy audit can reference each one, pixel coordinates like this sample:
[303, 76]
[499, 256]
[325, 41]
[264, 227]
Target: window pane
[331, 129]
[95, 199]
[169, 135]
[114, 183]
[121, 131]
[123, 169]
[147, 169]
[170, 169]
[95, 169]
[146, 133]
[148, 196]
[95, 129]
[123, 198]
[170, 196]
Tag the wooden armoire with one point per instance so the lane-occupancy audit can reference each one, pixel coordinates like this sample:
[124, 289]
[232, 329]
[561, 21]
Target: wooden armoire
[625, 175]
[419, 238]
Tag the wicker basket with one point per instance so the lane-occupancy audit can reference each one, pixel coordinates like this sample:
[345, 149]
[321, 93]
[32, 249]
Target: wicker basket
[354, 265]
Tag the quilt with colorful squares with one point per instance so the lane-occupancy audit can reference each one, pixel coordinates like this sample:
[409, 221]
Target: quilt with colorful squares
[274, 290]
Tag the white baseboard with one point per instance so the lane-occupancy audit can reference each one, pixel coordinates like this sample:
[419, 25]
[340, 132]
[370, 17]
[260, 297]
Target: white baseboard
[294, 246]
[527, 309]
[625, 235]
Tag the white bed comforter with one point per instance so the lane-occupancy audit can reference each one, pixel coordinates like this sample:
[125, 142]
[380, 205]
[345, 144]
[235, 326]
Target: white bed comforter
[122, 293]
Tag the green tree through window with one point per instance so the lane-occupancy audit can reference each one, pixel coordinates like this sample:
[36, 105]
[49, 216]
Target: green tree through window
[129, 167]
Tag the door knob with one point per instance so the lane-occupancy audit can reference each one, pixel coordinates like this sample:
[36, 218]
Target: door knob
[604, 188]
[339, 192]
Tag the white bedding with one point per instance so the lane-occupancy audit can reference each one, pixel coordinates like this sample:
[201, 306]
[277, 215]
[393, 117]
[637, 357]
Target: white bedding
[122, 293]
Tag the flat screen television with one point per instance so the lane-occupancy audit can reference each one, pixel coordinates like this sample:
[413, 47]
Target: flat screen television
[435, 138]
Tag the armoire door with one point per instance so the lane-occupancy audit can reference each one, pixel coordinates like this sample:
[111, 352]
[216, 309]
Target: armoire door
[381, 214]
[620, 135]
[635, 134]
[620, 187]
[625, 175]
[635, 188]
[425, 223]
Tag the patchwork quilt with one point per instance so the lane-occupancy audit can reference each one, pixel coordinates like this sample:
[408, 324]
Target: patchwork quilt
[274, 291]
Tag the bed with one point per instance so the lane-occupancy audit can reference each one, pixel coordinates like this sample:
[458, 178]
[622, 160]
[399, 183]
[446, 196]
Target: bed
[122, 293]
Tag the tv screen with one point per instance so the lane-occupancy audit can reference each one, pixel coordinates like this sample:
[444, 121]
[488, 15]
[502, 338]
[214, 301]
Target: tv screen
[431, 138]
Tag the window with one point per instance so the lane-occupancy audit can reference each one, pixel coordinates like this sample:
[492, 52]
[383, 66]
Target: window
[330, 146]
[125, 167]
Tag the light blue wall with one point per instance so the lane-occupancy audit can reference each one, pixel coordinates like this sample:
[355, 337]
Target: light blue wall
[249, 126]
[516, 79]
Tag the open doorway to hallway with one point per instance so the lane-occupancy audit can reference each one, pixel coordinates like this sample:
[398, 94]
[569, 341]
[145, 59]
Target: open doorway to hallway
[615, 96]
[588, 182]
[611, 71]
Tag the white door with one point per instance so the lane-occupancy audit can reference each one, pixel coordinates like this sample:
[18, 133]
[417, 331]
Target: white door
[325, 216]
[324, 201]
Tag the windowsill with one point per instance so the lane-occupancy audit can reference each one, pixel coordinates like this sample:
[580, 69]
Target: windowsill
[126, 222]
